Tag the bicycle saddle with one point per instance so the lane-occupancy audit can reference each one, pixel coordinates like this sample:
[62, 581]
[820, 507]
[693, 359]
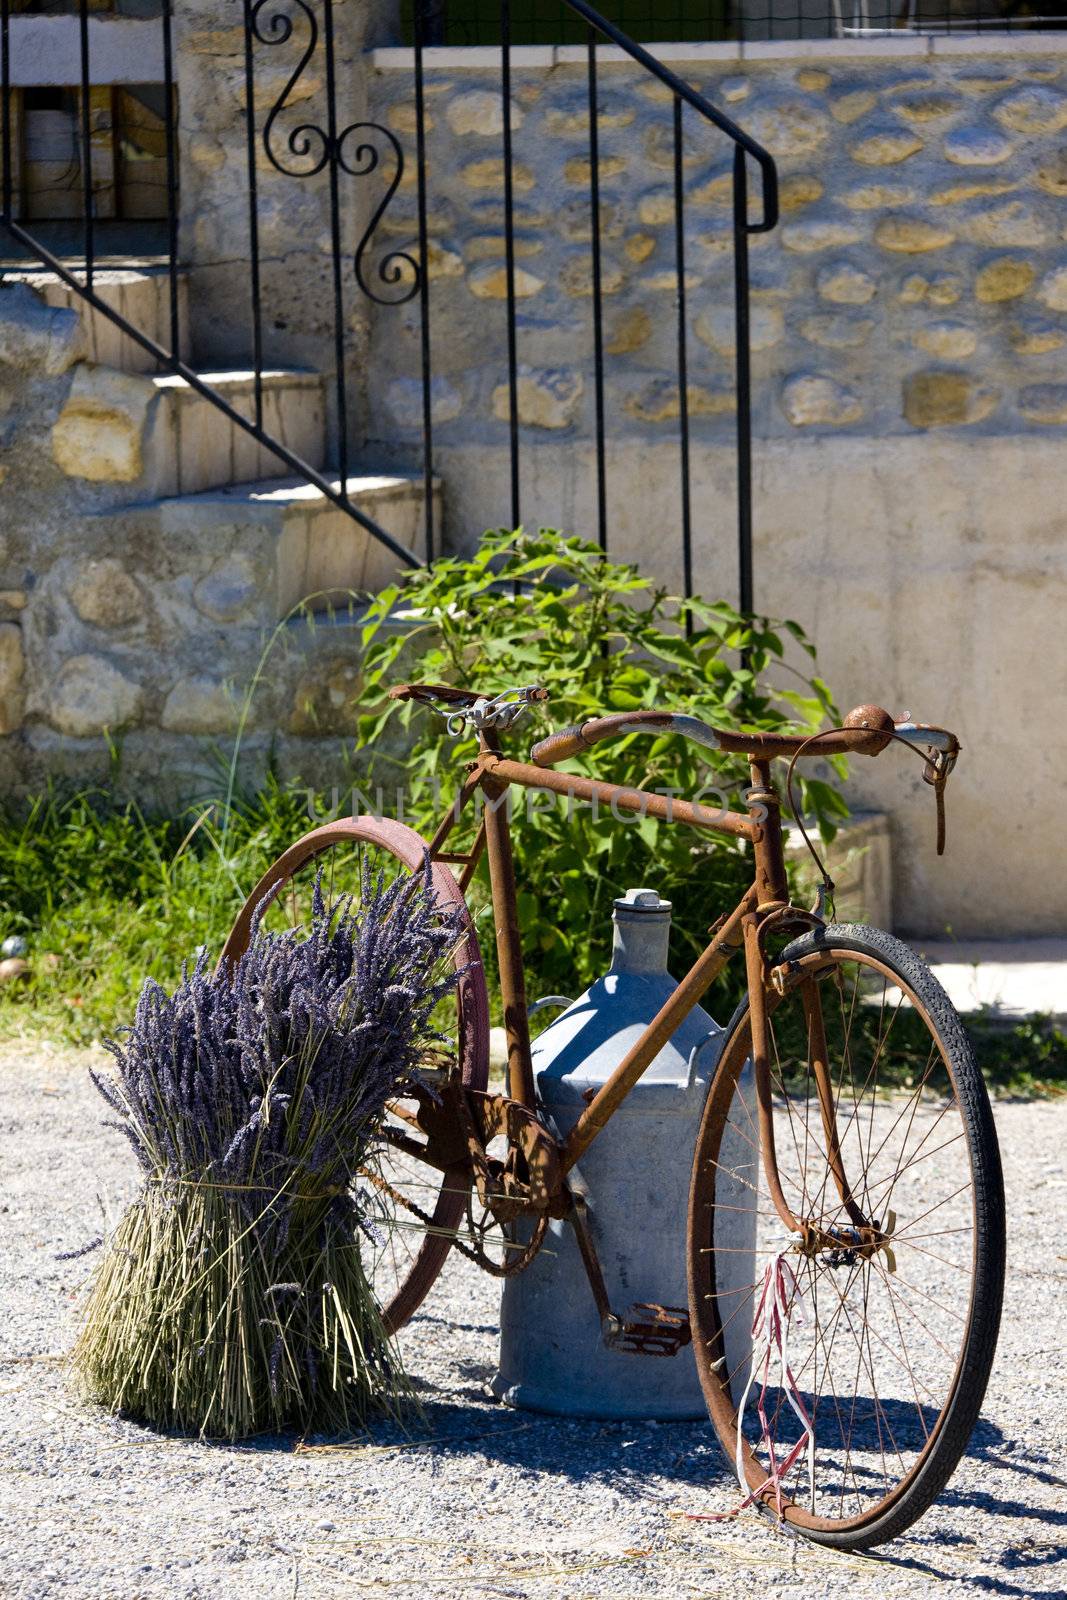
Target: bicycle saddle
[431, 694]
[444, 694]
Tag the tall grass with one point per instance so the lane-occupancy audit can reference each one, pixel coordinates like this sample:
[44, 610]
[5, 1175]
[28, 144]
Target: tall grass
[108, 895]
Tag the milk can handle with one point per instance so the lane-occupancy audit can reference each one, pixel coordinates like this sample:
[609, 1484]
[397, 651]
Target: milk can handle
[715, 1037]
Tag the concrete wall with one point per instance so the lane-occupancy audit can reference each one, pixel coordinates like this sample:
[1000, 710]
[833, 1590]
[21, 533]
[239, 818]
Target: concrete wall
[910, 371]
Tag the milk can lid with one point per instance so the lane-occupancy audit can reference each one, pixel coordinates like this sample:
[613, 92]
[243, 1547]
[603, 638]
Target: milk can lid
[641, 901]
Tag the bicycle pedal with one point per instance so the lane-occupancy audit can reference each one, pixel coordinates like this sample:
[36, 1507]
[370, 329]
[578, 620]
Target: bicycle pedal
[650, 1330]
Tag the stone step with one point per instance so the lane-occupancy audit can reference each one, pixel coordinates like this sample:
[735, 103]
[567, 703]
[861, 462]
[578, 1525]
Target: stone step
[160, 437]
[320, 553]
[140, 295]
[194, 446]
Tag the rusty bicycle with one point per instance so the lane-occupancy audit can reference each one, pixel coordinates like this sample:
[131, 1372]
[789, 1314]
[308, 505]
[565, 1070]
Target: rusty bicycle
[878, 1203]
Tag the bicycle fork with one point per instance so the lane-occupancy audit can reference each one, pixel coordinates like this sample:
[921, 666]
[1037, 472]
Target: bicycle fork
[812, 1237]
[773, 901]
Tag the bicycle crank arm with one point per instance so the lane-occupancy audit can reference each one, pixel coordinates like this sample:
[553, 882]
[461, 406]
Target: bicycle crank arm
[646, 1329]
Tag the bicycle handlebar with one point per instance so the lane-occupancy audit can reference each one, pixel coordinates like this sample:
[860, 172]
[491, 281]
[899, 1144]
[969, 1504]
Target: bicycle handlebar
[867, 730]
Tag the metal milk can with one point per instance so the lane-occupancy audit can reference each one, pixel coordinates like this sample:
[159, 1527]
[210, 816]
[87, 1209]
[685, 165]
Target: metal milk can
[636, 1176]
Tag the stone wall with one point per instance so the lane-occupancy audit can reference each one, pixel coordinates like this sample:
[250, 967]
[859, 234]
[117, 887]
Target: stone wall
[132, 625]
[293, 219]
[918, 279]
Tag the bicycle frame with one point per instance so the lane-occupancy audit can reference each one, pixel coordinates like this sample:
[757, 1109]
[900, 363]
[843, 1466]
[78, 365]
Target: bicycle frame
[740, 929]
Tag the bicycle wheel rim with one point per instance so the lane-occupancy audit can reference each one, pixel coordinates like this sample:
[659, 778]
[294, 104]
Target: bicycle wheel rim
[923, 1460]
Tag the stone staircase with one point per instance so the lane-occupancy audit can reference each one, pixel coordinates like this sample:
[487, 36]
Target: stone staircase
[322, 556]
[152, 550]
[158, 443]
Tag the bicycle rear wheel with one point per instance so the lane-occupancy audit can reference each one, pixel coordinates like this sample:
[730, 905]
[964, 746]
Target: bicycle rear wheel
[414, 1207]
[890, 1334]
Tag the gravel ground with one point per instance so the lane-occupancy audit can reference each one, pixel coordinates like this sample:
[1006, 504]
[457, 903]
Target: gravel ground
[481, 1501]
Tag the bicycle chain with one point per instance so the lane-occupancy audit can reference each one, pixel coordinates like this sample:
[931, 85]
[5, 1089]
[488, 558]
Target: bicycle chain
[495, 1269]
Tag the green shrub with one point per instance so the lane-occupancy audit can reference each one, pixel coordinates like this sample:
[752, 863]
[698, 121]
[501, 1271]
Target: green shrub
[543, 609]
[109, 895]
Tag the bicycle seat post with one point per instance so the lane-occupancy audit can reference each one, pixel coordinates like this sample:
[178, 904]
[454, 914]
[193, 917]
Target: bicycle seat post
[520, 1083]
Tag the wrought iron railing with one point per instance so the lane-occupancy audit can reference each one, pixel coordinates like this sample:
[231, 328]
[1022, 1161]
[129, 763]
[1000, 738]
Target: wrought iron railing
[265, 22]
[599, 30]
[317, 147]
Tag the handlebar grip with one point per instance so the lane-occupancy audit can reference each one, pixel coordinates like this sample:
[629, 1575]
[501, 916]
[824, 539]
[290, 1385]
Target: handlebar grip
[583, 735]
[881, 727]
[560, 746]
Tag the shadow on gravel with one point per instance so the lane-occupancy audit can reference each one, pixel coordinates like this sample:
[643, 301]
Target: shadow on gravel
[986, 1582]
[684, 1458]
[1011, 1455]
[459, 1327]
[992, 1449]
[657, 1461]
[624, 1454]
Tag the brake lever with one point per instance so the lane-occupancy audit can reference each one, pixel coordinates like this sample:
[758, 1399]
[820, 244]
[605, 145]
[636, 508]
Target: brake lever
[939, 764]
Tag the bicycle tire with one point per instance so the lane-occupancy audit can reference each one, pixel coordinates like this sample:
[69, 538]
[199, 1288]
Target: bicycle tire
[944, 1443]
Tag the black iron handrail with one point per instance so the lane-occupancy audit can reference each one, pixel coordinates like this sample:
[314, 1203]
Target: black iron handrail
[169, 359]
[743, 145]
[686, 92]
[427, 24]
[362, 148]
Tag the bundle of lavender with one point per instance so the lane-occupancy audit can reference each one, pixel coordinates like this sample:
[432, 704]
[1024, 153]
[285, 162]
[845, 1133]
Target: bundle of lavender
[232, 1297]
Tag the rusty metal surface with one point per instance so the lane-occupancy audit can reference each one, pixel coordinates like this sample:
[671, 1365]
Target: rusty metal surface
[647, 1329]
[509, 947]
[865, 731]
[757, 1001]
[772, 888]
[448, 694]
[609, 795]
[531, 1178]
[824, 1090]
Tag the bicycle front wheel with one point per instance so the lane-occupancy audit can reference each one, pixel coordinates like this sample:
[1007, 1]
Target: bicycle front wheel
[863, 1397]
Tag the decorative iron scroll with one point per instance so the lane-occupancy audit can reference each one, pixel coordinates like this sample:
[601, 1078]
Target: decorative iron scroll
[391, 269]
[308, 148]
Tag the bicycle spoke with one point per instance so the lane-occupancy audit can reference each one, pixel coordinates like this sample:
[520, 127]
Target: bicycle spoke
[873, 1358]
[953, 1266]
[827, 1367]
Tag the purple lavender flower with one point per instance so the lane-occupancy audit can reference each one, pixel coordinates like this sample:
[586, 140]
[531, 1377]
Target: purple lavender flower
[269, 1076]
